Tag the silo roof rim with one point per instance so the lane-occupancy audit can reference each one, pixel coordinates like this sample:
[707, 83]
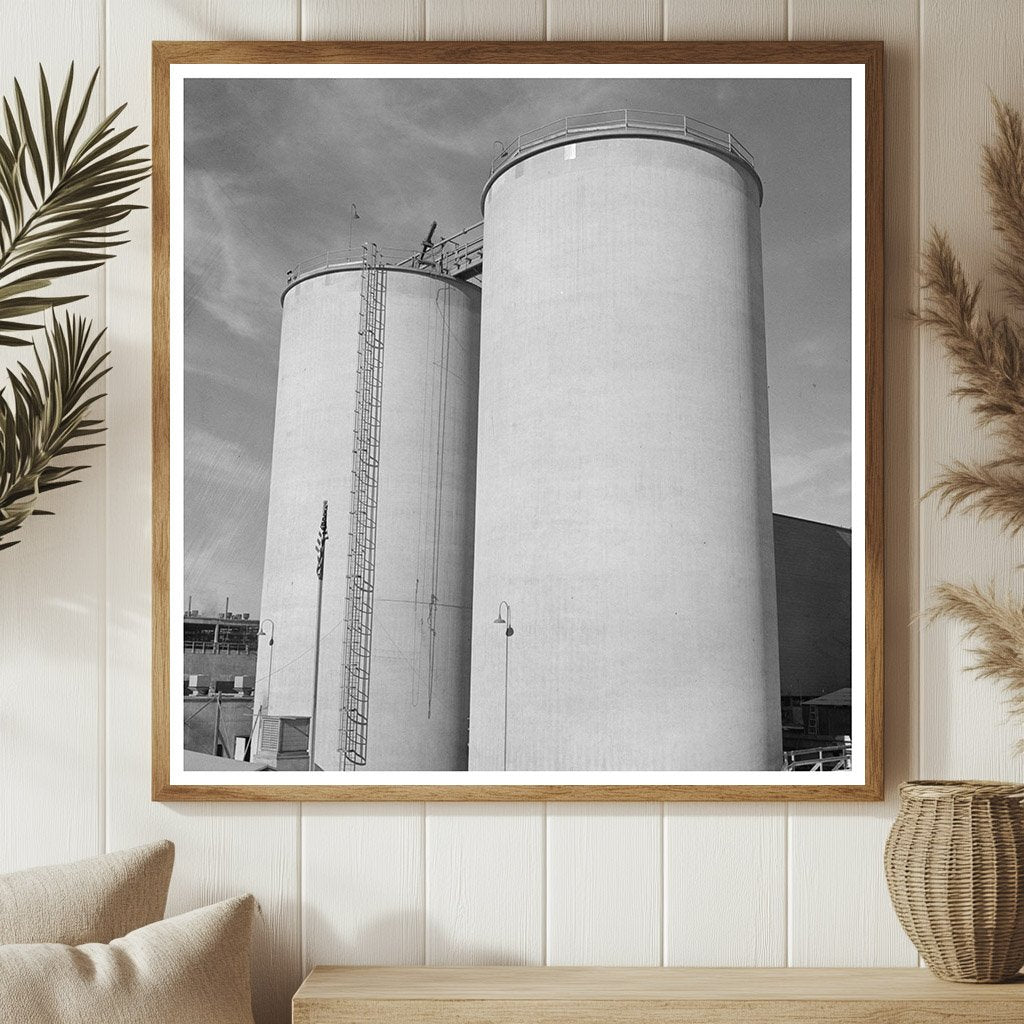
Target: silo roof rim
[622, 132]
[346, 268]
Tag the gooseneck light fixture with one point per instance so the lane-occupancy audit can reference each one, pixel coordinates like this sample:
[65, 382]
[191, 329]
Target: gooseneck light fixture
[502, 621]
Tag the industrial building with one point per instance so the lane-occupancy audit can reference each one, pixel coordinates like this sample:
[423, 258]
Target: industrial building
[220, 650]
[550, 541]
[815, 593]
[219, 679]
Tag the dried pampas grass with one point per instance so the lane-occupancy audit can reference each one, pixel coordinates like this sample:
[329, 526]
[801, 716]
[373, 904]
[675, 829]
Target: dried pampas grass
[987, 354]
[995, 629]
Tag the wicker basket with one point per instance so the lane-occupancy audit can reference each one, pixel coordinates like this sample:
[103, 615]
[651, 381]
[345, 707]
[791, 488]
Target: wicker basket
[954, 861]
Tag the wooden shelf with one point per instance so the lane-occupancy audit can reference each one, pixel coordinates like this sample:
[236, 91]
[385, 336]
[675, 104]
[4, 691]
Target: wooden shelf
[632, 995]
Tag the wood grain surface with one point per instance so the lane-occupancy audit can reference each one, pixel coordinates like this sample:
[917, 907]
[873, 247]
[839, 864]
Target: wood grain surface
[340, 995]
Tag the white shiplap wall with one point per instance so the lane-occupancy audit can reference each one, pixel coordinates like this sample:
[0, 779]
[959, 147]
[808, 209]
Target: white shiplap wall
[508, 883]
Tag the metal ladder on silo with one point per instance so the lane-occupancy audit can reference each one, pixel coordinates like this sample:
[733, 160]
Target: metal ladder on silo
[362, 536]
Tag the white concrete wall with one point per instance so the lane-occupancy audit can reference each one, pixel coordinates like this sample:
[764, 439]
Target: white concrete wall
[419, 674]
[419, 689]
[729, 885]
[622, 369]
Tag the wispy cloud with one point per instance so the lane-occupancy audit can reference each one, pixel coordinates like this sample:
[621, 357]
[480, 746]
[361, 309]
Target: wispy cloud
[272, 167]
[225, 514]
[814, 483]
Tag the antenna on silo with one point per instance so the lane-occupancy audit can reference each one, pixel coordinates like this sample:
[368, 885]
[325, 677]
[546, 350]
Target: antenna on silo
[427, 244]
[351, 224]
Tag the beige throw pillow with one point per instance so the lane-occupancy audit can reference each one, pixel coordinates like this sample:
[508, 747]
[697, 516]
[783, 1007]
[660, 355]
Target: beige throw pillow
[93, 900]
[191, 969]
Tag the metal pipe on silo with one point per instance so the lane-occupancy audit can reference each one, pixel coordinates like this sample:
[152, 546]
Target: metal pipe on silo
[623, 478]
[418, 643]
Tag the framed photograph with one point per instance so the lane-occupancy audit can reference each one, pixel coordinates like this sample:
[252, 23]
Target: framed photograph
[517, 421]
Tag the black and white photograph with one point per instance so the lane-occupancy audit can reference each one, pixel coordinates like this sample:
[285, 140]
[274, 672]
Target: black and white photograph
[517, 424]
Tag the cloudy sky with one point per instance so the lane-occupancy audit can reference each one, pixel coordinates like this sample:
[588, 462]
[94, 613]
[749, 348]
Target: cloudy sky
[273, 166]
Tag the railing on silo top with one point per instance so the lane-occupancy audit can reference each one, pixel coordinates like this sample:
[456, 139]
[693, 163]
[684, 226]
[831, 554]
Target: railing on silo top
[613, 121]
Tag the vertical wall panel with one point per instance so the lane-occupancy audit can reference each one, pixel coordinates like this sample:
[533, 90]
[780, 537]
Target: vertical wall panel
[362, 19]
[485, 19]
[51, 583]
[484, 863]
[725, 885]
[604, 19]
[726, 19]
[485, 883]
[362, 884]
[966, 49]
[836, 850]
[223, 849]
[604, 884]
[725, 866]
[363, 865]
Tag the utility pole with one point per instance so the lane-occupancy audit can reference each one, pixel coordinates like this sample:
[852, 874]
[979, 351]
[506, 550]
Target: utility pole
[321, 552]
[270, 680]
[509, 631]
[216, 727]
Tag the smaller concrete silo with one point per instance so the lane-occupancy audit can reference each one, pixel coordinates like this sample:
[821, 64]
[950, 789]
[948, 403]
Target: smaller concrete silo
[389, 442]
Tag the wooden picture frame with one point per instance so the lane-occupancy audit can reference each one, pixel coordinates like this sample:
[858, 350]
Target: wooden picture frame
[867, 56]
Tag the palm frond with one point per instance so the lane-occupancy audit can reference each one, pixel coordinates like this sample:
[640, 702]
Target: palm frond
[45, 419]
[62, 192]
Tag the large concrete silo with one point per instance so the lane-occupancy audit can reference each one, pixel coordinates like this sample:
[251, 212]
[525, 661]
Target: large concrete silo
[623, 479]
[417, 517]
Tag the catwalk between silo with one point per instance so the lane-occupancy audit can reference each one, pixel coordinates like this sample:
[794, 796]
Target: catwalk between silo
[623, 477]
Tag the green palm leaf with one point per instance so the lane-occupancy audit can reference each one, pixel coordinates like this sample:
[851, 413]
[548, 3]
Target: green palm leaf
[62, 191]
[45, 419]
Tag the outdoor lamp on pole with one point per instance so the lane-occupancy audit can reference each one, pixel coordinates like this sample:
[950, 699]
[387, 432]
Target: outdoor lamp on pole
[270, 671]
[270, 644]
[506, 621]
